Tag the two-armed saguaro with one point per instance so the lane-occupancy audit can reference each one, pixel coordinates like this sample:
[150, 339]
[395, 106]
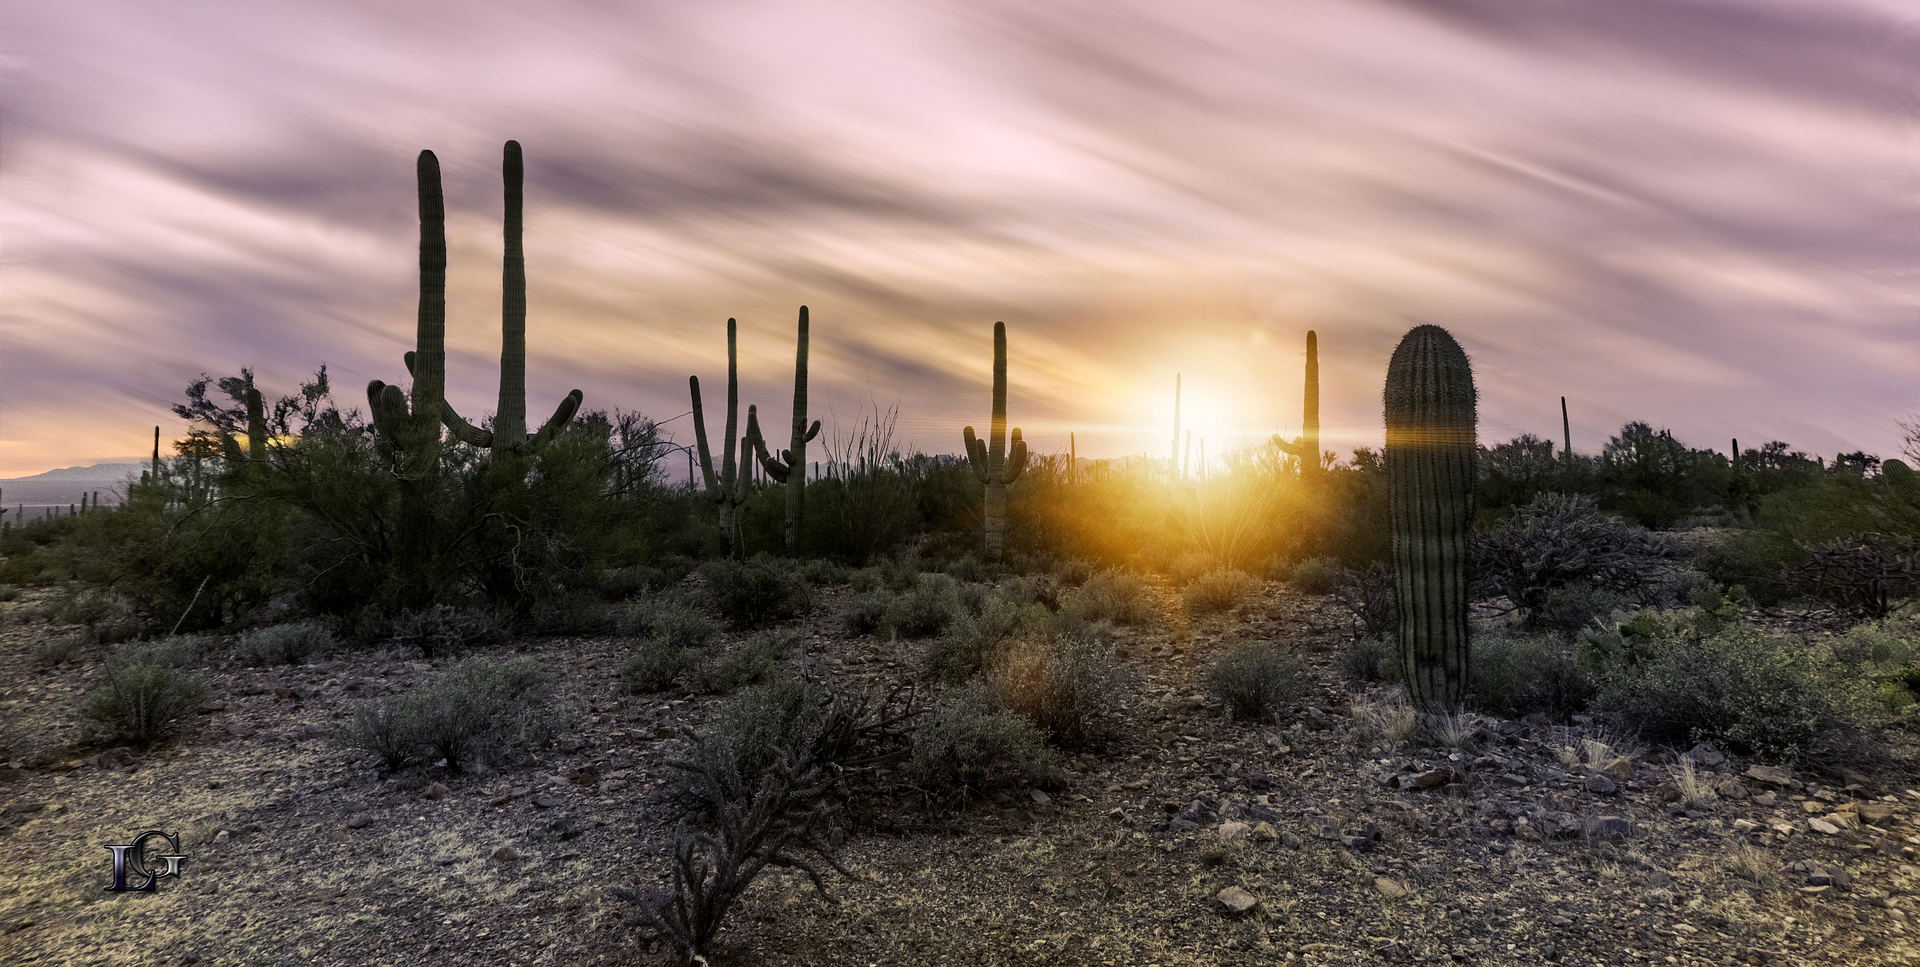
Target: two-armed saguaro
[993, 463]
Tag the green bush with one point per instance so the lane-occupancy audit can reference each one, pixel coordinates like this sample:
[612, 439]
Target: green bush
[1513, 676]
[1574, 606]
[1068, 687]
[866, 612]
[748, 662]
[973, 636]
[969, 747]
[146, 691]
[1370, 658]
[757, 592]
[670, 619]
[1255, 678]
[572, 614]
[926, 610]
[1315, 575]
[751, 724]
[1113, 595]
[288, 644]
[1220, 590]
[478, 709]
[61, 649]
[1753, 693]
[821, 572]
[654, 664]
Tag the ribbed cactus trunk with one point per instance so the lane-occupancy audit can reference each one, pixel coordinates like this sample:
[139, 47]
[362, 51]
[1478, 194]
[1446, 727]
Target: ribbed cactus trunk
[791, 467]
[1430, 451]
[993, 464]
[256, 428]
[728, 488]
[1306, 446]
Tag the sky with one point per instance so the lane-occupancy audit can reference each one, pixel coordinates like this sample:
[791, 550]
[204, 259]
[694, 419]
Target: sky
[1696, 213]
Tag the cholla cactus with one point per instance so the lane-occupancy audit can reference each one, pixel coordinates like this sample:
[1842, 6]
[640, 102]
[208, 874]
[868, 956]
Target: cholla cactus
[791, 466]
[993, 464]
[729, 488]
[1430, 452]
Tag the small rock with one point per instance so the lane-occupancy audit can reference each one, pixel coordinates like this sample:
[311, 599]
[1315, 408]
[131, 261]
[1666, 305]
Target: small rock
[1706, 755]
[1234, 831]
[506, 854]
[501, 798]
[359, 821]
[1391, 889]
[1393, 952]
[1875, 813]
[435, 791]
[1236, 900]
[1822, 826]
[446, 859]
[220, 838]
[1771, 775]
[1430, 779]
[1812, 808]
[1263, 832]
[544, 801]
[1289, 839]
[1040, 798]
[1602, 785]
[1608, 827]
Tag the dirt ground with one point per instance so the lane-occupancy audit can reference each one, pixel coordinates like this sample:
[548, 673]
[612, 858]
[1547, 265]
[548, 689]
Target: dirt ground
[1529, 843]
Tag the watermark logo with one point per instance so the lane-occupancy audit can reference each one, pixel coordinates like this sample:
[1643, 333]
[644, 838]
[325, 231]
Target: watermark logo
[132, 858]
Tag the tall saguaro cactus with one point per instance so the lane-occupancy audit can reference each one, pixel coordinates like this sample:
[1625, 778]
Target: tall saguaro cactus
[410, 428]
[993, 463]
[1306, 446]
[791, 467]
[509, 432]
[1430, 452]
[727, 489]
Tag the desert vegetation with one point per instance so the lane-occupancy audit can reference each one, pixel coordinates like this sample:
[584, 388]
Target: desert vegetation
[1445, 682]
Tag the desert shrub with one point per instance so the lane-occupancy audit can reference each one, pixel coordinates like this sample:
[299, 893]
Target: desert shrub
[821, 572]
[1556, 540]
[1860, 576]
[147, 689]
[106, 616]
[670, 619]
[9, 593]
[1570, 607]
[1219, 590]
[747, 662]
[1191, 565]
[444, 629]
[62, 648]
[1755, 560]
[1315, 575]
[970, 747]
[1113, 595]
[926, 610]
[1370, 658]
[757, 592]
[572, 613]
[287, 644]
[866, 612]
[654, 664]
[478, 709]
[1072, 572]
[866, 580]
[1068, 686]
[1751, 692]
[1368, 594]
[1031, 589]
[1513, 676]
[967, 568]
[1255, 678]
[964, 647]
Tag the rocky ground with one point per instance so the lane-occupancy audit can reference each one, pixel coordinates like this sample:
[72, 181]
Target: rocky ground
[1325, 839]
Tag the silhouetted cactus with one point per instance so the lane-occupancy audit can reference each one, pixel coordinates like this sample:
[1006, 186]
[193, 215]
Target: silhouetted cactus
[1898, 475]
[993, 463]
[1306, 446]
[728, 489]
[791, 467]
[1430, 451]
[509, 431]
[410, 428]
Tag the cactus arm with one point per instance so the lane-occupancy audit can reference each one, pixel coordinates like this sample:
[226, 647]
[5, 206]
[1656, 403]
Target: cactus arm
[812, 432]
[562, 415]
[700, 440]
[976, 453]
[1017, 460]
[457, 425]
[774, 468]
[388, 405]
[256, 427]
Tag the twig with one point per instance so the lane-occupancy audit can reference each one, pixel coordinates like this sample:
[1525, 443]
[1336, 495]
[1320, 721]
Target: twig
[190, 604]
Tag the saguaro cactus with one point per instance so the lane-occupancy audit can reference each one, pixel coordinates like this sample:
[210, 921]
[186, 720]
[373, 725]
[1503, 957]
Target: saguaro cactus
[1430, 451]
[1306, 446]
[1566, 435]
[993, 463]
[509, 431]
[791, 467]
[728, 489]
[410, 428]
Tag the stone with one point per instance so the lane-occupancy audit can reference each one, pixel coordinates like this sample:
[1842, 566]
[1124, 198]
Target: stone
[1392, 951]
[1263, 832]
[1822, 826]
[544, 801]
[1234, 831]
[437, 790]
[1040, 798]
[1235, 900]
[1705, 754]
[1772, 776]
[359, 820]
[1608, 827]
[506, 854]
[501, 798]
[1601, 785]
[220, 838]
[1389, 888]
[1430, 779]
[1875, 813]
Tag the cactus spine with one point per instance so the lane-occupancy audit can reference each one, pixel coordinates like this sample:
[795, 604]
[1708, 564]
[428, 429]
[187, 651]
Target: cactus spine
[1430, 452]
[791, 467]
[993, 463]
[1306, 446]
[728, 490]
[509, 433]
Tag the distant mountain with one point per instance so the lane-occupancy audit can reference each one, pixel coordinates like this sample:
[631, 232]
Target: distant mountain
[99, 472]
